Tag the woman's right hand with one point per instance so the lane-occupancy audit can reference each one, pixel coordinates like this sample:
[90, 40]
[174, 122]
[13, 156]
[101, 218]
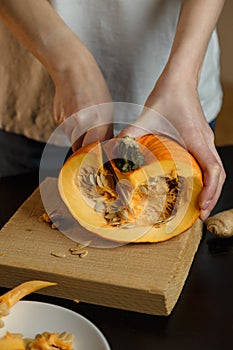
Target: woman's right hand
[78, 86]
[78, 80]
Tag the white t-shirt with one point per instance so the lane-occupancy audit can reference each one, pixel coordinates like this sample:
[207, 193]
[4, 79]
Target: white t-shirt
[131, 42]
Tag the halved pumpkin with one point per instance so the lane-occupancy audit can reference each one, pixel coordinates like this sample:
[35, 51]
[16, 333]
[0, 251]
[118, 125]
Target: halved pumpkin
[112, 196]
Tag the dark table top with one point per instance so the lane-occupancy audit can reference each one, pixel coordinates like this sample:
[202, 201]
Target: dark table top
[203, 316]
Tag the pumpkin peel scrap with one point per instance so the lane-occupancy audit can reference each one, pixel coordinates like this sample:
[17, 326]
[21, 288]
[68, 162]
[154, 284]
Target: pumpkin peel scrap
[11, 342]
[44, 341]
[160, 179]
[10, 298]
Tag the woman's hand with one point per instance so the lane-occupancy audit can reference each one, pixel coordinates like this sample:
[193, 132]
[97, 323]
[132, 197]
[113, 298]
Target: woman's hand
[179, 103]
[176, 98]
[175, 94]
[79, 86]
[78, 80]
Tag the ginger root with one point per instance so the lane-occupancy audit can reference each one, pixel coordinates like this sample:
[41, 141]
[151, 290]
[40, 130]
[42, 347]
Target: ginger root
[221, 224]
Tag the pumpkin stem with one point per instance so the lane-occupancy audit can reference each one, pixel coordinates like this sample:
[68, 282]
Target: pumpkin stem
[128, 156]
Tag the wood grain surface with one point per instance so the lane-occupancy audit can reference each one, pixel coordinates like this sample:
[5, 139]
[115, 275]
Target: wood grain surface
[146, 278]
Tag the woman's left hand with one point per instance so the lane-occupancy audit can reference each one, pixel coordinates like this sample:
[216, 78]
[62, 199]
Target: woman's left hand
[176, 98]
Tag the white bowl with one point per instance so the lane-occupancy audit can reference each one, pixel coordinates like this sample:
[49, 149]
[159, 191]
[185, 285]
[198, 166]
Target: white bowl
[32, 317]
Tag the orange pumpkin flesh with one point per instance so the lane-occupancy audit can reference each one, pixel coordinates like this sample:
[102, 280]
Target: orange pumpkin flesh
[165, 163]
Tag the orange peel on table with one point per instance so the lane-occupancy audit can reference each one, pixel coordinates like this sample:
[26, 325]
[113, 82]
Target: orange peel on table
[10, 298]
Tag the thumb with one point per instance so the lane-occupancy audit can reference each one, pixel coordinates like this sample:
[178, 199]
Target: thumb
[100, 133]
[133, 130]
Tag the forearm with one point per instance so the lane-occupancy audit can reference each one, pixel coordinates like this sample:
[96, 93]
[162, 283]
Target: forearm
[36, 24]
[195, 25]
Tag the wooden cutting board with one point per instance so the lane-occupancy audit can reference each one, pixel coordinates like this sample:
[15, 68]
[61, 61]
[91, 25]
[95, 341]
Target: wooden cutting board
[145, 278]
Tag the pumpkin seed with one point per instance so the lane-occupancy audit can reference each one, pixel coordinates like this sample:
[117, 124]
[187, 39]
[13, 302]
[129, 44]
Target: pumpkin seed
[83, 254]
[143, 189]
[111, 223]
[124, 214]
[104, 179]
[92, 179]
[152, 180]
[110, 216]
[58, 254]
[127, 226]
[99, 181]
[46, 218]
[83, 171]
[55, 225]
[99, 207]
[79, 248]
[69, 337]
[77, 251]
[116, 219]
[62, 335]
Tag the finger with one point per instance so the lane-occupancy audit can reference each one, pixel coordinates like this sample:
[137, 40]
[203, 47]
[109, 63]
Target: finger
[78, 143]
[211, 182]
[58, 112]
[100, 133]
[205, 213]
[143, 125]
[211, 165]
[133, 131]
[213, 179]
[151, 122]
[73, 132]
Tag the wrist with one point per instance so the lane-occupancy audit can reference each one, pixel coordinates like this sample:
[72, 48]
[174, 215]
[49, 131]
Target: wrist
[183, 69]
[64, 52]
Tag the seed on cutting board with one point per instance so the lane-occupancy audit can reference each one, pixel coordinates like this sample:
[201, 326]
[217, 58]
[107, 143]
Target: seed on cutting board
[83, 254]
[76, 301]
[55, 225]
[45, 218]
[58, 254]
[76, 251]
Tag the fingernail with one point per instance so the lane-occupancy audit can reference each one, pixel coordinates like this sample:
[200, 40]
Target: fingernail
[205, 205]
[204, 215]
